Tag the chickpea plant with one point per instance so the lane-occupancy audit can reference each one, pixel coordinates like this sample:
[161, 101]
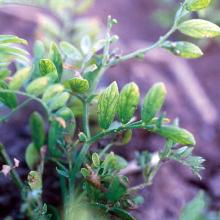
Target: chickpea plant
[67, 75]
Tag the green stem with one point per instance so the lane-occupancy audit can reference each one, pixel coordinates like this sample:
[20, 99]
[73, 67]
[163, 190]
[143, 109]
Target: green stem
[31, 97]
[13, 172]
[148, 181]
[85, 148]
[78, 163]
[107, 148]
[62, 180]
[134, 125]
[139, 52]
[85, 119]
[70, 165]
[4, 118]
[143, 51]
[63, 188]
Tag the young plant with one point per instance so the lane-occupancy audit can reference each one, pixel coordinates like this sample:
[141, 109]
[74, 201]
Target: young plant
[64, 83]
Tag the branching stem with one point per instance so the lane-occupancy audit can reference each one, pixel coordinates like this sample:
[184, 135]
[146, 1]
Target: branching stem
[30, 97]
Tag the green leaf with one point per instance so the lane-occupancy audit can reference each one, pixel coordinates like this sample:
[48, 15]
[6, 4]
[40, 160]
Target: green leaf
[95, 160]
[39, 85]
[127, 136]
[62, 172]
[7, 98]
[15, 52]
[58, 101]
[19, 78]
[39, 53]
[5, 39]
[65, 113]
[196, 5]
[32, 156]
[121, 213]
[199, 28]
[183, 49]
[107, 105]
[37, 130]
[176, 134]
[55, 131]
[184, 155]
[127, 102]
[35, 180]
[85, 172]
[77, 84]
[194, 209]
[47, 68]
[153, 102]
[116, 190]
[82, 137]
[121, 163]
[70, 51]
[56, 59]
[113, 162]
[51, 91]
[4, 73]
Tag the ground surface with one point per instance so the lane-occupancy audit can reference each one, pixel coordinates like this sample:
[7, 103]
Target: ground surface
[193, 95]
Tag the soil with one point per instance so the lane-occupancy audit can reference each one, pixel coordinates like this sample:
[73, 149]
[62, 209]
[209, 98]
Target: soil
[174, 185]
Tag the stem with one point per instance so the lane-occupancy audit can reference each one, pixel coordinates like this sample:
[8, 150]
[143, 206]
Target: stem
[13, 172]
[143, 51]
[85, 148]
[4, 118]
[140, 52]
[137, 188]
[70, 165]
[133, 125]
[78, 163]
[85, 119]
[31, 97]
[148, 181]
[108, 42]
[102, 153]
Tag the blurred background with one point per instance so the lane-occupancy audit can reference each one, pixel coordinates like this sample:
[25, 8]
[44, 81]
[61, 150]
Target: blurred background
[193, 90]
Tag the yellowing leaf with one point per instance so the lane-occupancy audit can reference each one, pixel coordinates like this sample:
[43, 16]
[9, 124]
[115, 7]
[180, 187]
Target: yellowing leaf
[5, 39]
[153, 102]
[56, 59]
[199, 28]
[51, 91]
[77, 84]
[19, 78]
[95, 159]
[195, 5]
[70, 51]
[58, 101]
[128, 101]
[38, 86]
[65, 113]
[183, 49]
[35, 180]
[107, 105]
[47, 68]
[176, 134]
